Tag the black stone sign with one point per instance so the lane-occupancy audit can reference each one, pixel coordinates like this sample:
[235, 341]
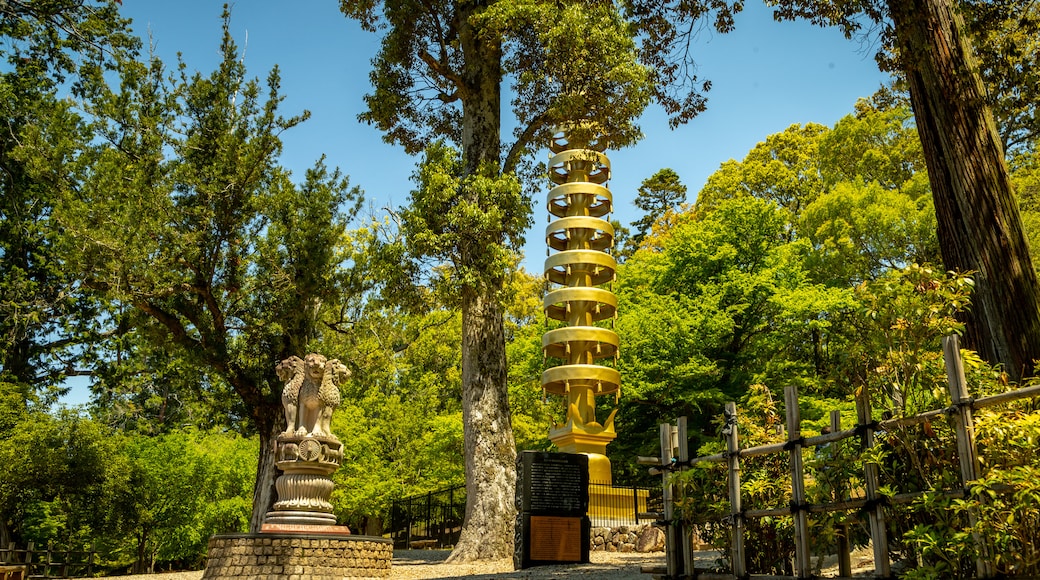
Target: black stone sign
[552, 501]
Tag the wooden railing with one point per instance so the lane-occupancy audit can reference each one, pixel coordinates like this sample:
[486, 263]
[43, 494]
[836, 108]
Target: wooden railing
[31, 563]
[960, 412]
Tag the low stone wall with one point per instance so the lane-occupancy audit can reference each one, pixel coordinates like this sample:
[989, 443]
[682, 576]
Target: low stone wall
[297, 557]
[640, 538]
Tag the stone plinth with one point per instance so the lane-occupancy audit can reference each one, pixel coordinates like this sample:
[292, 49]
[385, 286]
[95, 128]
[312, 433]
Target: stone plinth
[305, 485]
[273, 556]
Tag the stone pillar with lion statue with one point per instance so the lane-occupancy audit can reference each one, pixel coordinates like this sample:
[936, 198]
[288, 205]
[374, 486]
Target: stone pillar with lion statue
[300, 536]
[307, 452]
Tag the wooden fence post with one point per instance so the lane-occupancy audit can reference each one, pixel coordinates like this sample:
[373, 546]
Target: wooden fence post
[682, 441]
[673, 559]
[844, 556]
[736, 507]
[875, 511]
[798, 506]
[964, 424]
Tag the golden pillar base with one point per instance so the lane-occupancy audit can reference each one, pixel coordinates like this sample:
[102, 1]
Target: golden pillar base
[570, 439]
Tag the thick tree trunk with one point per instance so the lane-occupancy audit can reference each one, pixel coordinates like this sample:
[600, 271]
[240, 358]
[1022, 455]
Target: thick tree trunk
[269, 423]
[487, 532]
[978, 220]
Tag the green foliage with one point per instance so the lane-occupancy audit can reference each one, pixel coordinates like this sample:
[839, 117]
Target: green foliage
[997, 519]
[73, 482]
[60, 41]
[784, 169]
[902, 318]
[1005, 38]
[898, 324]
[575, 64]
[181, 488]
[861, 230]
[765, 483]
[716, 305]
[61, 480]
[878, 143]
[1025, 175]
[475, 223]
[46, 315]
[658, 194]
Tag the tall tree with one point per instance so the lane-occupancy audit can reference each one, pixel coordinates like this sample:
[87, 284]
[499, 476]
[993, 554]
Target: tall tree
[45, 314]
[439, 76]
[188, 219]
[657, 194]
[979, 226]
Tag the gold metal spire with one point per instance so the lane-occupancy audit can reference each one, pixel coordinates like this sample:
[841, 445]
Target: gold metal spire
[581, 239]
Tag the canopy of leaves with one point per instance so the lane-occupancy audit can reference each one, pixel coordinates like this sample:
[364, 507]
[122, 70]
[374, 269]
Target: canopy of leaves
[188, 219]
[45, 314]
[721, 302]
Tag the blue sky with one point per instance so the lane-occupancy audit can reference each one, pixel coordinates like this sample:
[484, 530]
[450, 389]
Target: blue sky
[766, 76]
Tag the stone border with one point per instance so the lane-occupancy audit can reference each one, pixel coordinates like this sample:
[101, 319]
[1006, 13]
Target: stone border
[297, 557]
[640, 538]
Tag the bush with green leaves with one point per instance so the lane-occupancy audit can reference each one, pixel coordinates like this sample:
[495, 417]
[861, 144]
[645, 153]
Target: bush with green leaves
[897, 359]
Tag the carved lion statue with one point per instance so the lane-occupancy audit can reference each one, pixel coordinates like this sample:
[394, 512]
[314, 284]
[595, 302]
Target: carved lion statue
[311, 393]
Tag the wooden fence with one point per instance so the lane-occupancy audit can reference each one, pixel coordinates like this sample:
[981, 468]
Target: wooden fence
[48, 563]
[674, 458]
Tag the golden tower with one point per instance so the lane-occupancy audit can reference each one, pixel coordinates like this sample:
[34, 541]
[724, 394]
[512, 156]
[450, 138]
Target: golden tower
[581, 264]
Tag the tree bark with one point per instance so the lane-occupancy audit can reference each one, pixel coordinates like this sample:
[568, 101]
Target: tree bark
[269, 419]
[978, 221]
[487, 531]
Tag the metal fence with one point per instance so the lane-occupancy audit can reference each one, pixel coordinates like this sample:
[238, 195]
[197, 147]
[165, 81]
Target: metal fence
[434, 519]
[611, 506]
[428, 520]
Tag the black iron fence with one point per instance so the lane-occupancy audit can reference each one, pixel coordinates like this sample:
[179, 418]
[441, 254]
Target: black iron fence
[428, 520]
[434, 519]
[611, 506]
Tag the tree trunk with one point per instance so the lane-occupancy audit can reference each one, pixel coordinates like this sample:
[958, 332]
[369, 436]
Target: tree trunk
[142, 540]
[487, 532]
[978, 221]
[269, 423]
[5, 535]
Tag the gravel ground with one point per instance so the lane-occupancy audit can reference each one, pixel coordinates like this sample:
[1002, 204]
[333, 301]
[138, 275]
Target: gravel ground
[419, 564]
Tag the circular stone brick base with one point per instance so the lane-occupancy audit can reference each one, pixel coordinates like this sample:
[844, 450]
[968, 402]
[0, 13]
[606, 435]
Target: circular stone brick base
[298, 557]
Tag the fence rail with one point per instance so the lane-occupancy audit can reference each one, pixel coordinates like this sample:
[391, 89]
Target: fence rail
[434, 519]
[48, 563]
[960, 414]
[622, 505]
[428, 520]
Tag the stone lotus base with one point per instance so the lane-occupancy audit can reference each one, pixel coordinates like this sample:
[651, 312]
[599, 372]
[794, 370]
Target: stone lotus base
[271, 556]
